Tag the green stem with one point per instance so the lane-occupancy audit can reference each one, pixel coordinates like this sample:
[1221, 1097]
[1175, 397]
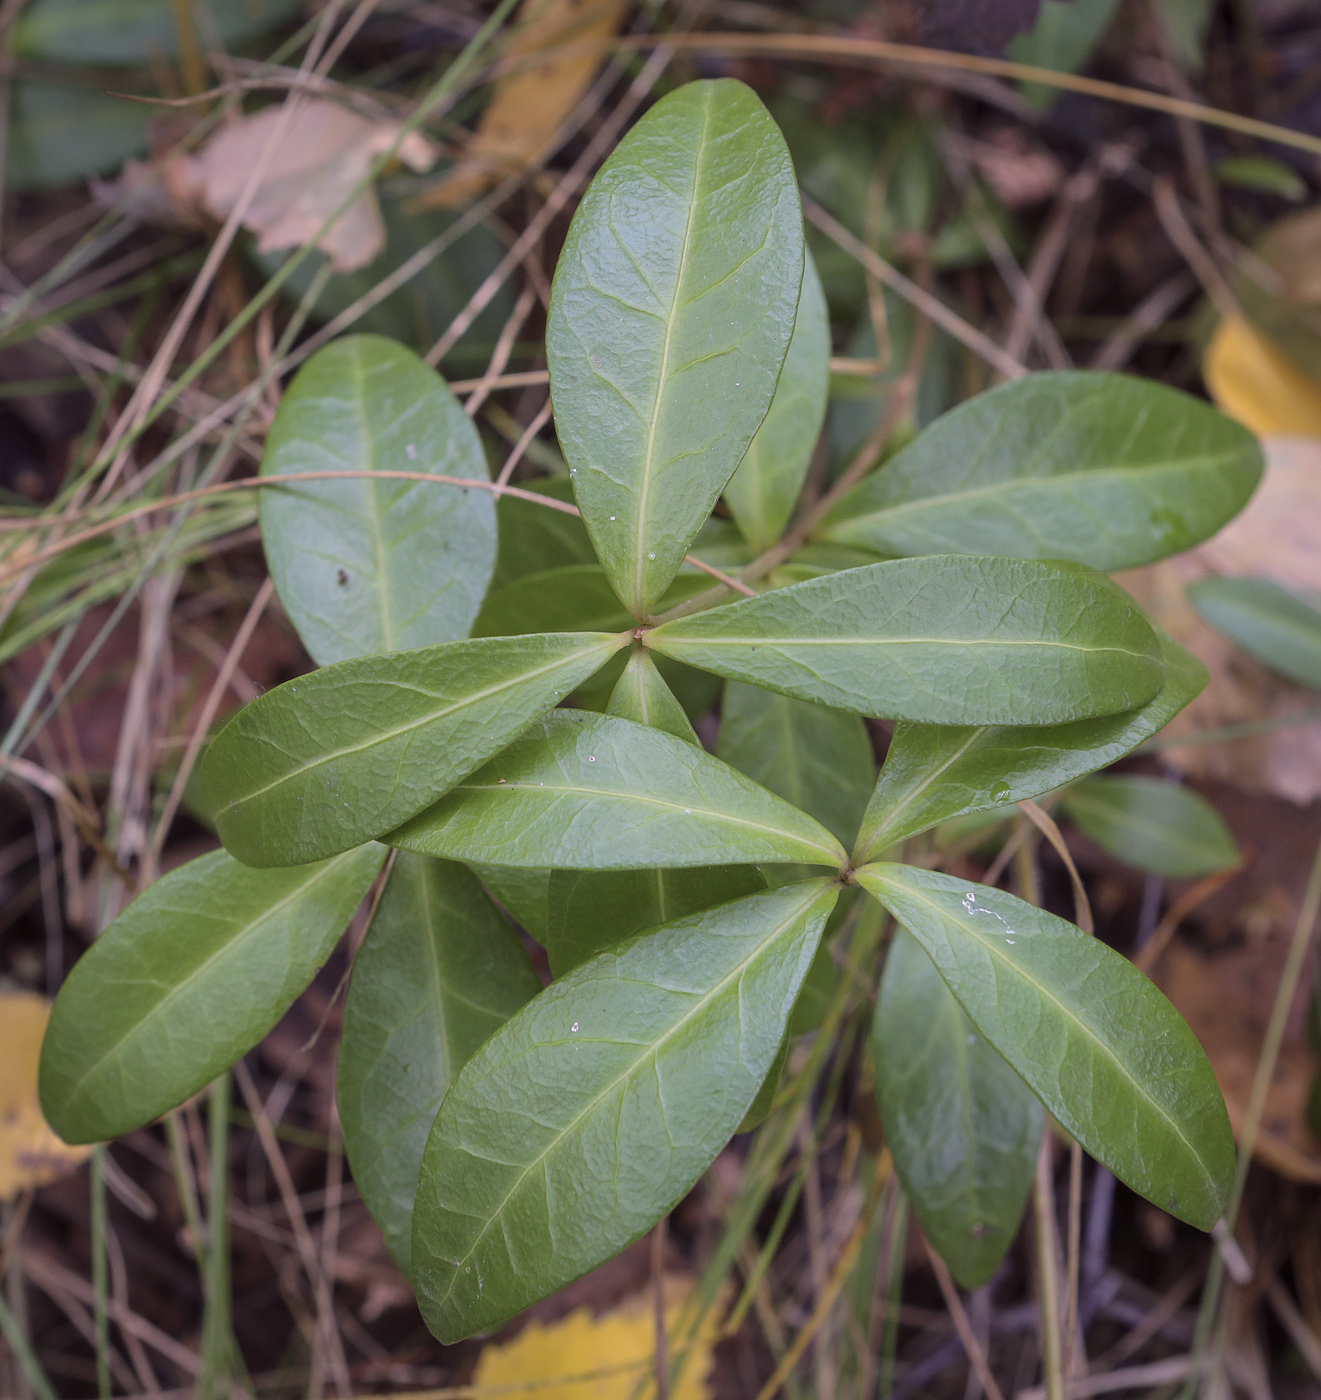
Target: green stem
[100, 1273]
[894, 1296]
[222, 1362]
[1048, 1283]
[24, 1355]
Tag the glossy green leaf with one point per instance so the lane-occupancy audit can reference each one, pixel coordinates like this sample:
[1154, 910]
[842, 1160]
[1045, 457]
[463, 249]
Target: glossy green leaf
[523, 893]
[592, 1112]
[949, 640]
[186, 981]
[437, 286]
[1102, 469]
[1101, 1047]
[1063, 38]
[963, 1127]
[934, 773]
[1156, 825]
[60, 132]
[642, 696]
[765, 487]
[1187, 23]
[670, 315]
[134, 33]
[590, 792]
[336, 758]
[365, 566]
[760, 1109]
[815, 757]
[573, 598]
[439, 971]
[818, 987]
[1279, 629]
[534, 537]
[593, 910]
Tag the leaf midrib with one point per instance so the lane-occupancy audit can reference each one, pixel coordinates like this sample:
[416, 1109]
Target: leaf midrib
[1049, 996]
[514, 785]
[868, 851]
[648, 460]
[1030, 484]
[430, 718]
[652, 1050]
[226, 948]
[698, 639]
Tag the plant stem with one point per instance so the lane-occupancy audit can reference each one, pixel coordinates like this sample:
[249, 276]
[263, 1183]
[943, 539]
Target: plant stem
[23, 1354]
[1270, 1053]
[221, 1359]
[894, 1294]
[100, 1273]
[1048, 1283]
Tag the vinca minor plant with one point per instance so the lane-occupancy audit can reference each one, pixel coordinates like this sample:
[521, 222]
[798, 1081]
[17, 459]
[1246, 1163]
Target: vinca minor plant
[500, 703]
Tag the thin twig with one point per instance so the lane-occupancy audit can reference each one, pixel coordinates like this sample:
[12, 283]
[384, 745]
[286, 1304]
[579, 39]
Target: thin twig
[926, 302]
[976, 1354]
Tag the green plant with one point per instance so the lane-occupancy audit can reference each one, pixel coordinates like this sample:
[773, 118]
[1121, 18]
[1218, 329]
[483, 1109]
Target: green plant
[508, 1138]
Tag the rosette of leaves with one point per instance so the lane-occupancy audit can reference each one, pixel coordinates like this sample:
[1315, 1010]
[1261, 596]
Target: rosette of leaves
[508, 1136]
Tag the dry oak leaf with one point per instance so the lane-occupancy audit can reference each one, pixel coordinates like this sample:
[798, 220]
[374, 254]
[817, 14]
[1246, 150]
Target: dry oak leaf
[30, 1153]
[532, 99]
[1275, 537]
[611, 1357]
[324, 153]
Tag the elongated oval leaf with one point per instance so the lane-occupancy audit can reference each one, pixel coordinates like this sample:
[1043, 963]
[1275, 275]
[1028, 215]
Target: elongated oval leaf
[522, 893]
[336, 758]
[815, 757]
[586, 1117]
[593, 910]
[363, 566]
[437, 974]
[765, 487]
[1279, 629]
[1103, 469]
[534, 537]
[949, 640]
[1094, 1039]
[590, 792]
[671, 311]
[934, 773]
[963, 1127]
[575, 598]
[642, 696]
[1155, 825]
[188, 979]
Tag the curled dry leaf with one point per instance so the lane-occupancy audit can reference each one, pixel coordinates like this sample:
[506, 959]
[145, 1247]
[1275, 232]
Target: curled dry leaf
[582, 1357]
[30, 1153]
[1274, 538]
[323, 154]
[531, 99]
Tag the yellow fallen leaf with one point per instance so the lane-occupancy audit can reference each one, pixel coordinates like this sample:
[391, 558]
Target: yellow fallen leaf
[532, 99]
[324, 152]
[583, 1357]
[1253, 380]
[30, 1153]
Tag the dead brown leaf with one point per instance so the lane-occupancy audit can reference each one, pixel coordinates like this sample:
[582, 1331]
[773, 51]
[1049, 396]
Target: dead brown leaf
[532, 99]
[1275, 538]
[323, 154]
